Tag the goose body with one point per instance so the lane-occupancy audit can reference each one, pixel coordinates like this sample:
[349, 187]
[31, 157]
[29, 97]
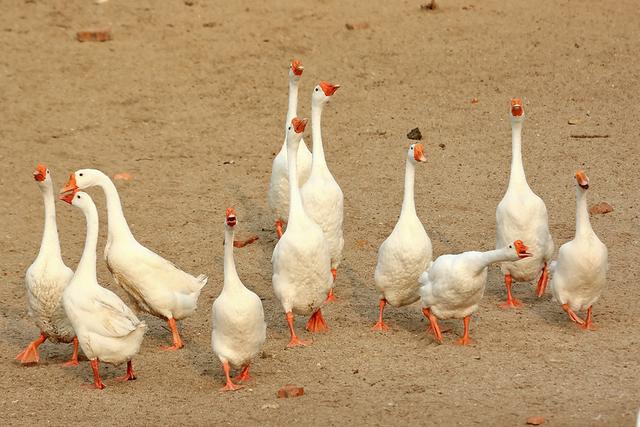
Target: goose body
[45, 281]
[453, 285]
[407, 252]
[238, 327]
[579, 274]
[156, 285]
[278, 195]
[301, 262]
[108, 331]
[521, 214]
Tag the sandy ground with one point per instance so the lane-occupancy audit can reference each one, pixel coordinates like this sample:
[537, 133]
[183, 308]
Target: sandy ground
[184, 88]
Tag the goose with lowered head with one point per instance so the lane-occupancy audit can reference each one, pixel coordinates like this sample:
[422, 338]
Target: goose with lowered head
[156, 285]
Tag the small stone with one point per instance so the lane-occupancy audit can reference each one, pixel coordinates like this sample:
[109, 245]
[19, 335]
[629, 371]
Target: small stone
[474, 100]
[357, 26]
[290, 390]
[574, 121]
[441, 145]
[94, 35]
[415, 134]
[430, 5]
[600, 208]
[535, 420]
[270, 406]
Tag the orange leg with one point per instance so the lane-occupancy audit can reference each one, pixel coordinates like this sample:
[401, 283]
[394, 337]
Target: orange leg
[229, 386]
[244, 375]
[511, 301]
[434, 324]
[316, 322]
[465, 338]
[573, 316]
[97, 381]
[243, 243]
[588, 322]
[542, 281]
[177, 341]
[331, 297]
[294, 341]
[130, 376]
[74, 356]
[30, 354]
[279, 226]
[380, 325]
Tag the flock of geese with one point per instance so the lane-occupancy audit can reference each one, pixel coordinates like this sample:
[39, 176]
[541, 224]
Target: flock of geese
[307, 202]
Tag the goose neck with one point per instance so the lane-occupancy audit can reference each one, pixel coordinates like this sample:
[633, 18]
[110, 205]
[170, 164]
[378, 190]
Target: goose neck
[231, 279]
[408, 201]
[319, 164]
[50, 245]
[87, 265]
[583, 223]
[295, 201]
[517, 177]
[292, 110]
[118, 227]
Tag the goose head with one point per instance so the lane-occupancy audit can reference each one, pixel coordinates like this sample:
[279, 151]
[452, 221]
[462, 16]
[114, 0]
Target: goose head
[295, 70]
[42, 175]
[230, 218]
[80, 179]
[295, 131]
[582, 180]
[79, 199]
[323, 92]
[416, 153]
[517, 110]
[519, 250]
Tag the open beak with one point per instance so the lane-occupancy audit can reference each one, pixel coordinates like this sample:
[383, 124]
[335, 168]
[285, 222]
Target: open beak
[296, 67]
[328, 88]
[516, 107]
[68, 196]
[522, 249]
[70, 189]
[40, 173]
[231, 217]
[299, 124]
[582, 179]
[418, 153]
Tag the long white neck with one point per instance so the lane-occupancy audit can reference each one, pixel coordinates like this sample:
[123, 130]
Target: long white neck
[295, 201]
[50, 245]
[231, 279]
[517, 177]
[497, 255]
[118, 226]
[408, 202]
[292, 110]
[87, 265]
[318, 164]
[583, 223]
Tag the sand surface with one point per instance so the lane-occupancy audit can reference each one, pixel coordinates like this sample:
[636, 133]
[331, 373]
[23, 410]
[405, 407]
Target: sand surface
[190, 98]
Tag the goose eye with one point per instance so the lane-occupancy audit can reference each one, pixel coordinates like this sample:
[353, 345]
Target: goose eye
[78, 196]
[80, 173]
[47, 170]
[510, 246]
[316, 89]
[289, 128]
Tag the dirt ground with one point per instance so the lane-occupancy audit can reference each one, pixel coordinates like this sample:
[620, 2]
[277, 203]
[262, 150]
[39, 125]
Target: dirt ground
[186, 87]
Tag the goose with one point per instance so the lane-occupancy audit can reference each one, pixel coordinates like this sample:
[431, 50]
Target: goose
[405, 254]
[301, 262]
[579, 274]
[156, 285]
[453, 285]
[45, 281]
[521, 214]
[278, 195]
[237, 316]
[321, 195]
[107, 329]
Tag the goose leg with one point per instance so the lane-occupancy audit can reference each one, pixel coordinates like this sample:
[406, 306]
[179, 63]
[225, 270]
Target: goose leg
[433, 322]
[331, 297]
[588, 322]
[294, 341]
[511, 302]
[244, 375]
[573, 316]
[380, 325]
[177, 341]
[30, 354]
[245, 242]
[316, 322]
[542, 281]
[130, 376]
[279, 225]
[97, 381]
[74, 356]
[229, 386]
[465, 338]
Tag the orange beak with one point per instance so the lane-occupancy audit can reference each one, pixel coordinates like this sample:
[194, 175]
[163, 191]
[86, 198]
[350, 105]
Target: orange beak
[516, 107]
[418, 153]
[70, 185]
[296, 67]
[231, 217]
[582, 179]
[68, 196]
[328, 88]
[521, 249]
[299, 124]
[41, 173]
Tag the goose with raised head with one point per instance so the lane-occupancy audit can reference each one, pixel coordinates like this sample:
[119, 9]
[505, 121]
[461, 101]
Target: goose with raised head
[453, 285]
[407, 252]
[46, 280]
[321, 195]
[108, 331]
[521, 214]
[278, 194]
[237, 317]
[580, 272]
[156, 285]
[301, 261]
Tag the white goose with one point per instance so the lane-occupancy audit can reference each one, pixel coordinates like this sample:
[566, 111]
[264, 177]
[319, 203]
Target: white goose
[45, 281]
[107, 329]
[301, 262]
[521, 214]
[407, 252]
[155, 284]
[454, 284]
[238, 327]
[580, 273]
[321, 194]
[278, 194]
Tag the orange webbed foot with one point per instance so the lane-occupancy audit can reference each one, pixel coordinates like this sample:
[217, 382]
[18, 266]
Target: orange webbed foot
[464, 341]
[380, 326]
[31, 354]
[316, 322]
[331, 297]
[229, 386]
[572, 315]
[297, 342]
[244, 375]
[511, 303]
[130, 375]
[173, 347]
